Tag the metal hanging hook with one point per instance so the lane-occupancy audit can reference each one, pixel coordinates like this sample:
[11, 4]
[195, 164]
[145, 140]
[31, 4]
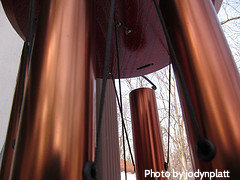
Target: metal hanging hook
[148, 80]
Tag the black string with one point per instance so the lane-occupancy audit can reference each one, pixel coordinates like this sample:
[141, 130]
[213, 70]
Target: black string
[120, 101]
[127, 31]
[178, 71]
[169, 111]
[123, 126]
[121, 112]
[105, 76]
[166, 165]
[124, 153]
[27, 47]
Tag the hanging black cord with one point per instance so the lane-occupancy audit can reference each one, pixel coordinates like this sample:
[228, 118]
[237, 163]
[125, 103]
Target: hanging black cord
[105, 76]
[124, 153]
[27, 47]
[123, 127]
[205, 149]
[169, 110]
[166, 165]
[89, 170]
[120, 99]
[121, 112]
[178, 70]
[127, 31]
[148, 80]
[30, 25]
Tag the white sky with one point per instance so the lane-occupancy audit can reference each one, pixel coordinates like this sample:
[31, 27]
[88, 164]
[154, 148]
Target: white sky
[10, 52]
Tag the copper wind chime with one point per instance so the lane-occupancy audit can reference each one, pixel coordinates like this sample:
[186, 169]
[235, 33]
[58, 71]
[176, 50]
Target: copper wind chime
[63, 123]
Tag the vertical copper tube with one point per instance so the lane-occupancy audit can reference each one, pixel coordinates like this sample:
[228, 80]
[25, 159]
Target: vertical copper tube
[146, 133]
[55, 136]
[13, 122]
[108, 164]
[211, 76]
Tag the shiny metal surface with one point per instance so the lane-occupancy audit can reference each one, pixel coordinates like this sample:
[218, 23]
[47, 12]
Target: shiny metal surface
[108, 163]
[13, 123]
[212, 79]
[147, 138]
[55, 137]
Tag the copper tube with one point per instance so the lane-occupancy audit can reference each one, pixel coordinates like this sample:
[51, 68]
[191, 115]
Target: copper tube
[55, 136]
[108, 163]
[211, 76]
[146, 133]
[13, 122]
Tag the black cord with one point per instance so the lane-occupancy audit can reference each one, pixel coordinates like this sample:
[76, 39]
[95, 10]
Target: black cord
[178, 70]
[27, 47]
[123, 127]
[89, 169]
[121, 113]
[120, 100]
[169, 110]
[205, 149]
[148, 80]
[105, 76]
[127, 31]
[124, 152]
[166, 165]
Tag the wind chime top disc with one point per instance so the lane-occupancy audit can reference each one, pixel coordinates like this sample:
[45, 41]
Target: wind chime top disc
[140, 38]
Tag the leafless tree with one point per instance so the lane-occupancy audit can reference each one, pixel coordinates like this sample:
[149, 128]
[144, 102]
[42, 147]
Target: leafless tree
[229, 16]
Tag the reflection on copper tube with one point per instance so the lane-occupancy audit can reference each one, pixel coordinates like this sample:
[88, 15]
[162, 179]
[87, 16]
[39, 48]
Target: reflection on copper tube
[13, 123]
[212, 79]
[55, 137]
[146, 133]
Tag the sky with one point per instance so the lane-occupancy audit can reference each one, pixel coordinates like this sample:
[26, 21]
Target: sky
[11, 47]
[10, 52]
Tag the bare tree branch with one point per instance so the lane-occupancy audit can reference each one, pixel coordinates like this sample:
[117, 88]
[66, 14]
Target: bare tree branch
[230, 19]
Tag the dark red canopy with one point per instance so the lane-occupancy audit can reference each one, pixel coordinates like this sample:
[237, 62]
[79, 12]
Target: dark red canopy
[142, 51]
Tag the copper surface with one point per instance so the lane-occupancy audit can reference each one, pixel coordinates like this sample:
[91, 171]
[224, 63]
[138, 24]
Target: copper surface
[108, 162]
[55, 136]
[13, 123]
[212, 79]
[146, 133]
